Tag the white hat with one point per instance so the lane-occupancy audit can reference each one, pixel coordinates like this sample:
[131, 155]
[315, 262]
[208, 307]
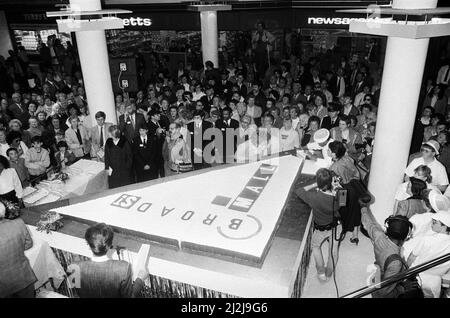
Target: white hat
[438, 201]
[433, 144]
[444, 217]
[321, 135]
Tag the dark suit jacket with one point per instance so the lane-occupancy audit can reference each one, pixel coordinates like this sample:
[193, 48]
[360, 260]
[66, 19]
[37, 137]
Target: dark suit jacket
[127, 129]
[109, 279]
[300, 98]
[327, 124]
[15, 270]
[196, 140]
[223, 126]
[143, 154]
[242, 90]
[67, 155]
[22, 115]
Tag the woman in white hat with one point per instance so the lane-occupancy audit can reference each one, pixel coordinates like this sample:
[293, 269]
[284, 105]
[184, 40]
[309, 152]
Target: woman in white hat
[429, 151]
[428, 247]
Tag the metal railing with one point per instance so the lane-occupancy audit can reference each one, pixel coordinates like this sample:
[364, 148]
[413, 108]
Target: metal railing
[411, 272]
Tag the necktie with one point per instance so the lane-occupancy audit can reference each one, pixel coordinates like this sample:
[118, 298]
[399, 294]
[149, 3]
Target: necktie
[20, 107]
[101, 136]
[339, 83]
[80, 140]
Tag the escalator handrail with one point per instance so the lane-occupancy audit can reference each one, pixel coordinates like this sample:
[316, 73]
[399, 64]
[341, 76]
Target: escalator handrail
[410, 272]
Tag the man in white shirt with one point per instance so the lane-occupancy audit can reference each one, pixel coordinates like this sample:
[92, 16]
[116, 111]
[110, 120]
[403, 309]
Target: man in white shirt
[443, 76]
[429, 151]
[289, 138]
[99, 134]
[325, 91]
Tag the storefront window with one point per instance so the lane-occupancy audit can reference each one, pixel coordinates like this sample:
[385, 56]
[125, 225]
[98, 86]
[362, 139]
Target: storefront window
[30, 39]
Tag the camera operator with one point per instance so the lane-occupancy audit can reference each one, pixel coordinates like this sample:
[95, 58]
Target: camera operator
[325, 216]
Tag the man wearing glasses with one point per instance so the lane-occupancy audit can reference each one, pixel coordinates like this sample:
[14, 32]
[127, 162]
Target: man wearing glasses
[429, 151]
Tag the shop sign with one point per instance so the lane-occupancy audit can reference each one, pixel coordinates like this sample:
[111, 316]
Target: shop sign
[332, 20]
[137, 21]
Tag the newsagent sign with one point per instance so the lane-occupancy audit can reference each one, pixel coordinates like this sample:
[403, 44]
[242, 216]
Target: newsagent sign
[232, 211]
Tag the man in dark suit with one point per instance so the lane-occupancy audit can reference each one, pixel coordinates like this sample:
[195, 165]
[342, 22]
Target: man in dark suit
[260, 98]
[16, 275]
[197, 142]
[157, 134]
[143, 155]
[19, 110]
[331, 120]
[224, 86]
[297, 96]
[242, 88]
[227, 125]
[130, 122]
[103, 277]
[359, 84]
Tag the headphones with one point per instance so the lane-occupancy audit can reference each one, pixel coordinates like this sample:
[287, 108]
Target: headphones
[399, 218]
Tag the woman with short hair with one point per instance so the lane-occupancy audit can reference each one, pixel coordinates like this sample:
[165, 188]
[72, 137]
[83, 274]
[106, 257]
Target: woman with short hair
[344, 167]
[347, 135]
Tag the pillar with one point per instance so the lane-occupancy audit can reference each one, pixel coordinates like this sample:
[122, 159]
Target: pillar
[208, 21]
[94, 62]
[5, 38]
[402, 78]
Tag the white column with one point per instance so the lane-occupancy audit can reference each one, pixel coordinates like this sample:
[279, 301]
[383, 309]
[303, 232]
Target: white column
[5, 38]
[402, 78]
[94, 62]
[208, 21]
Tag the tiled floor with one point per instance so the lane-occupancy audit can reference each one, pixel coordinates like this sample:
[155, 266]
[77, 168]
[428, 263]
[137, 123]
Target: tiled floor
[350, 271]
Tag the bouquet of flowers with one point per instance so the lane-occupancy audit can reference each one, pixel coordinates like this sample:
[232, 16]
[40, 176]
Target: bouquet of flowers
[12, 209]
[50, 221]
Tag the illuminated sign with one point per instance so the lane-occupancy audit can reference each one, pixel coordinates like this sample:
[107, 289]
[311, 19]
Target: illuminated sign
[137, 21]
[332, 21]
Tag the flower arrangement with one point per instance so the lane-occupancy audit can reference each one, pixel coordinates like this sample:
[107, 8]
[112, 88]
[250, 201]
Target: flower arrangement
[12, 209]
[50, 221]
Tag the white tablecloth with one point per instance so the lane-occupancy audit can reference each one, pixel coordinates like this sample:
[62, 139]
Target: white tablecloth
[85, 176]
[44, 263]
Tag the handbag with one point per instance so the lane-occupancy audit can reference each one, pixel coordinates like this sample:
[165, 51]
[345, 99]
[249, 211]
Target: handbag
[410, 285]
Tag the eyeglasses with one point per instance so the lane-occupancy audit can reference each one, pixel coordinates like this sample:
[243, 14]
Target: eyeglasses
[425, 150]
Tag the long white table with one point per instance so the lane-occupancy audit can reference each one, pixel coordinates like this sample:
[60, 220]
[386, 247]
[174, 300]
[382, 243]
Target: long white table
[85, 177]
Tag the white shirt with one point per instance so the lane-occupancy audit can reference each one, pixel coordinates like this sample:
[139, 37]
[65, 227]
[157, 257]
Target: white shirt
[289, 139]
[100, 133]
[9, 181]
[438, 172]
[327, 160]
[295, 122]
[196, 96]
[441, 77]
[401, 193]
[3, 149]
[359, 99]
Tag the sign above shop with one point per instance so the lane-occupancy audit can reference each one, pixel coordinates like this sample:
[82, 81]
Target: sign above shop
[137, 21]
[332, 20]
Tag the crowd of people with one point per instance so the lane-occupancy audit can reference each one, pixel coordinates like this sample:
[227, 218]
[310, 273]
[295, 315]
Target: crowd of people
[325, 106]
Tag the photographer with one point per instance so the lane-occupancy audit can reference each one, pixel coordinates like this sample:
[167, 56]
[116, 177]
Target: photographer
[325, 214]
[387, 246]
